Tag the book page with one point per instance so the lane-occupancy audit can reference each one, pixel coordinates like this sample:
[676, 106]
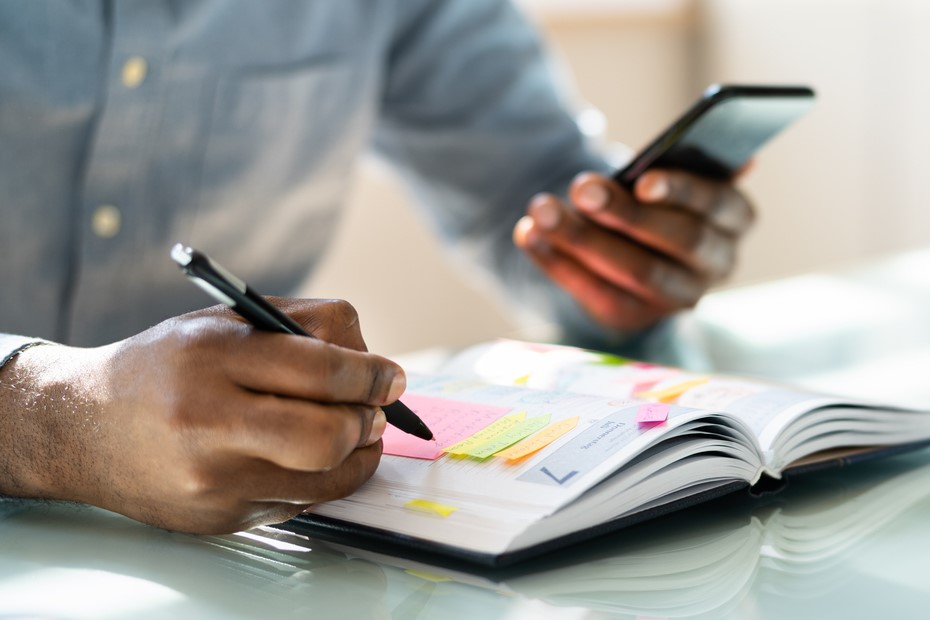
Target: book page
[481, 500]
[765, 408]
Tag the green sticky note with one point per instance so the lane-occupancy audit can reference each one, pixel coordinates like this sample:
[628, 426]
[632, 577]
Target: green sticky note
[486, 434]
[606, 359]
[509, 437]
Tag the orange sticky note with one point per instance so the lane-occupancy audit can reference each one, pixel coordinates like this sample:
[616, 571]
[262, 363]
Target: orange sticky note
[540, 440]
[669, 394]
[508, 437]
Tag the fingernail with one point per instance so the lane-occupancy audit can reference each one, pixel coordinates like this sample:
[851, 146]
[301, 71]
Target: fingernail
[398, 385]
[526, 236]
[520, 231]
[378, 424]
[546, 213]
[592, 197]
[652, 187]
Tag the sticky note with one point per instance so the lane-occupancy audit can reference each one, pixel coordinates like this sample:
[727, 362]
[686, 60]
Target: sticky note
[427, 576]
[652, 413]
[654, 375]
[450, 420]
[669, 394]
[540, 440]
[486, 434]
[642, 388]
[508, 437]
[424, 505]
[606, 359]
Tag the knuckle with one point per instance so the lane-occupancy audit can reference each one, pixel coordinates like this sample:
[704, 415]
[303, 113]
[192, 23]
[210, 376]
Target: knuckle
[379, 382]
[342, 313]
[199, 482]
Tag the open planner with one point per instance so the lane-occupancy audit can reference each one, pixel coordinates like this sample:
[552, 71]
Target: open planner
[537, 446]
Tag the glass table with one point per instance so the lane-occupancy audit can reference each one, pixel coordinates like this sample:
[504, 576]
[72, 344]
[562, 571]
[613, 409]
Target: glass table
[851, 543]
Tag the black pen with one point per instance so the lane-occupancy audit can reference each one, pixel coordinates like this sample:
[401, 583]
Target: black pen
[226, 288]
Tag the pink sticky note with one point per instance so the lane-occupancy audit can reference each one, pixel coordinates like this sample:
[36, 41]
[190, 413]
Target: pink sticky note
[645, 386]
[652, 413]
[450, 420]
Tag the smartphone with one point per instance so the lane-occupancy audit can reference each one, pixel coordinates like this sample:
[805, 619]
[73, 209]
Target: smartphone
[721, 131]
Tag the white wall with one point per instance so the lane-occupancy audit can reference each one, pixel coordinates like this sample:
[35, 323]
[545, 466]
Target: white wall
[847, 182]
[843, 184]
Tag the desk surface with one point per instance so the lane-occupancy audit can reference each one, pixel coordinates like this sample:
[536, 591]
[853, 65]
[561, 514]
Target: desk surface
[852, 543]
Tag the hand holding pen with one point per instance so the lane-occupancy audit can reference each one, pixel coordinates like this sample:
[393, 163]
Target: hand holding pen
[230, 290]
[201, 423]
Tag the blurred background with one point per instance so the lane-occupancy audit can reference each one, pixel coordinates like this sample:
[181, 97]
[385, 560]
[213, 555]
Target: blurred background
[841, 186]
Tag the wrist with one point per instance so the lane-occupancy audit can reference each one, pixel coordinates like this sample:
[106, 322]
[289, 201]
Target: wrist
[39, 406]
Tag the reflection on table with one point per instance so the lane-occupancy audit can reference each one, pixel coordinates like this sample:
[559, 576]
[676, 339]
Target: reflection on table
[847, 543]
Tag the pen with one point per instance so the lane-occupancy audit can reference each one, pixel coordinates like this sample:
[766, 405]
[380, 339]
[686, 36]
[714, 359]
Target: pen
[226, 288]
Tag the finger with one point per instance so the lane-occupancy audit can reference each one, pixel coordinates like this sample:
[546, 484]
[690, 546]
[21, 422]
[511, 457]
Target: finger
[607, 303]
[244, 493]
[678, 233]
[241, 481]
[720, 202]
[291, 433]
[613, 257]
[311, 369]
[265, 482]
[332, 320]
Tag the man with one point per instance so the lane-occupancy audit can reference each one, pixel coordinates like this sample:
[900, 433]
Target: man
[232, 125]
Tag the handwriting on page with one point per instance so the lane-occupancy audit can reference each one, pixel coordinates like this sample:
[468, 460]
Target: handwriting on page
[450, 420]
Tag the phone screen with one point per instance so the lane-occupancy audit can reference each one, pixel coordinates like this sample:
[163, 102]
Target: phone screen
[722, 131]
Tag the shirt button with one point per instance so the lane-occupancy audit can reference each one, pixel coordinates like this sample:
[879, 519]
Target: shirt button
[134, 71]
[106, 221]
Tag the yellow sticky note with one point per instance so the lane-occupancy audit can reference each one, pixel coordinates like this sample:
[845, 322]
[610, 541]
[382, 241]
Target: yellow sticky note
[427, 576]
[509, 437]
[423, 505]
[486, 434]
[538, 441]
[669, 394]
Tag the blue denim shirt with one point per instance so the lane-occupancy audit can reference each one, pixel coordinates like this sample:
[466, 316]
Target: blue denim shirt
[234, 125]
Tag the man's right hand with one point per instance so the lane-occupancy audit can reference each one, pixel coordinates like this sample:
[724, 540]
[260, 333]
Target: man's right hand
[201, 423]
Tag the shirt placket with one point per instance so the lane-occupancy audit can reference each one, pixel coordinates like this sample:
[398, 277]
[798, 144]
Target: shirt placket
[113, 193]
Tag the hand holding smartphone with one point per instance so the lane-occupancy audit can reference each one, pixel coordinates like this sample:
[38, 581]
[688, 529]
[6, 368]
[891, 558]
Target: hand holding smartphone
[721, 131]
